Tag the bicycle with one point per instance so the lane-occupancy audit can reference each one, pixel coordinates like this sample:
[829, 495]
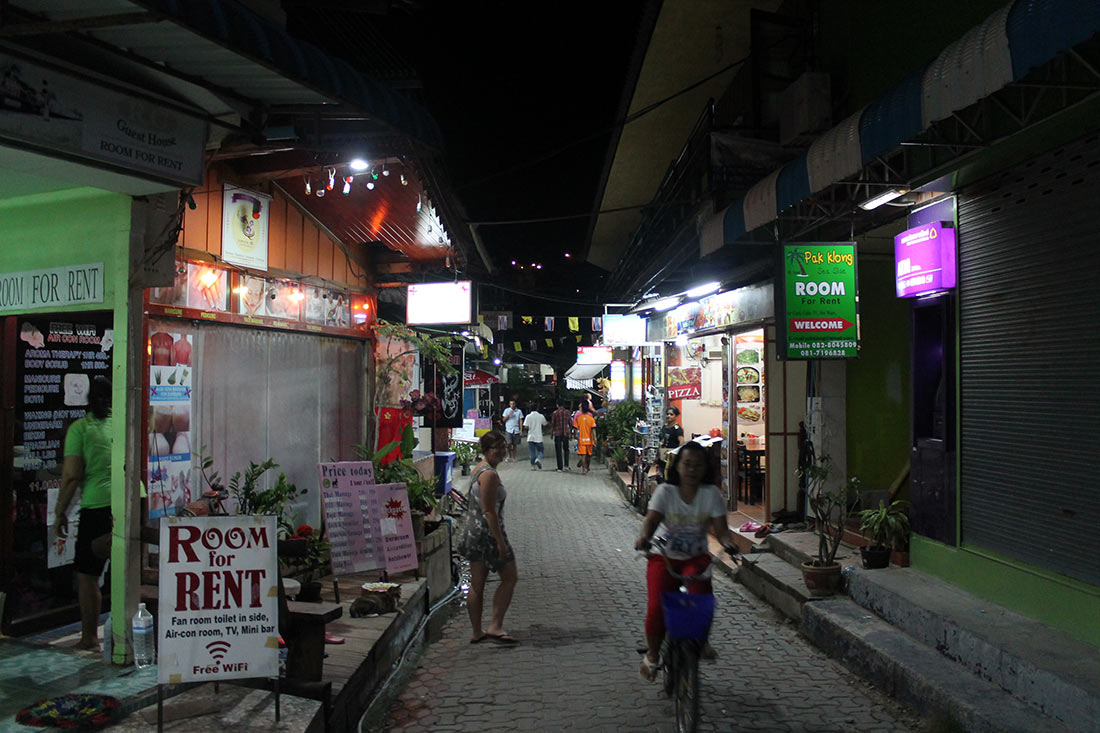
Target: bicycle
[688, 617]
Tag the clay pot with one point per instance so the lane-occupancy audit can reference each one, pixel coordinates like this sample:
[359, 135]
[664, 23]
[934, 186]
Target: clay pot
[821, 580]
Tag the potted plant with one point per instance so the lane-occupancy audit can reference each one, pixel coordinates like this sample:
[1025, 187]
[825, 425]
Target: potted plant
[402, 470]
[465, 455]
[887, 529]
[830, 511]
[308, 562]
[618, 456]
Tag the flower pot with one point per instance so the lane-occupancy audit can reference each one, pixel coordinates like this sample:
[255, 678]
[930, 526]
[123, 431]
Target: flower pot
[465, 469]
[417, 518]
[875, 557]
[821, 580]
[310, 592]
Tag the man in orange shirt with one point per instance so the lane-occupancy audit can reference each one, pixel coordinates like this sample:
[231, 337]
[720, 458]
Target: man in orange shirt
[586, 430]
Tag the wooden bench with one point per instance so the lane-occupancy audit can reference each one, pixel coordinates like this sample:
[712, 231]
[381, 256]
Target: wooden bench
[302, 626]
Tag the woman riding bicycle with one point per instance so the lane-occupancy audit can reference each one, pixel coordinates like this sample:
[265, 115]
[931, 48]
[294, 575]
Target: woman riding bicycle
[680, 513]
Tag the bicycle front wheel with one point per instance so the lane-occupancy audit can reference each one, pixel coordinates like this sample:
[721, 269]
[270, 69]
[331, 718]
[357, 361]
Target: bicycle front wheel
[686, 693]
[669, 651]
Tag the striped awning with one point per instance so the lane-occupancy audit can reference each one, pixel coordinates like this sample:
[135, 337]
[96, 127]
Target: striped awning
[1004, 48]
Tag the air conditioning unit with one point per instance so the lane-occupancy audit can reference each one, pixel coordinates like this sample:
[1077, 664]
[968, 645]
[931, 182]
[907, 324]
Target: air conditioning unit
[805, 109]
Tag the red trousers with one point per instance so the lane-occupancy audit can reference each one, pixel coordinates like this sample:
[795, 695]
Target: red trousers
[659, 581]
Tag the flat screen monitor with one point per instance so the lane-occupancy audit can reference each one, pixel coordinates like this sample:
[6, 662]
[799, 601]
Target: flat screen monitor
[439, 303]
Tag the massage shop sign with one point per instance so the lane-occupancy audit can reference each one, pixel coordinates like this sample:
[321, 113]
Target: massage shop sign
[819, 316]
[218, 599]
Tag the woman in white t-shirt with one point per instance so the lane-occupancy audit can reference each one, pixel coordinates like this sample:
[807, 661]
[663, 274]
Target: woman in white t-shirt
[680, 513]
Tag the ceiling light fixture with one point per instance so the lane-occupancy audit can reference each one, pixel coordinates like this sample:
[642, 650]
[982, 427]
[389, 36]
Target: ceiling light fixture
[701, 290]
[497, 361]
[665, 304]
[883, 198]
[358, 165]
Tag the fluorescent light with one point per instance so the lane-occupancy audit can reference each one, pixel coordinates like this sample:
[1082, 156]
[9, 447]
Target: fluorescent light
[885, 197]
[665, 303]
[359, 164]
[703, 290]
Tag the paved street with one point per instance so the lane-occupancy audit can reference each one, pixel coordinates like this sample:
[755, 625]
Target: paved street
[578, 612]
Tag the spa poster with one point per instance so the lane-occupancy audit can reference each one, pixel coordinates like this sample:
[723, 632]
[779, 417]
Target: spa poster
[171, 377]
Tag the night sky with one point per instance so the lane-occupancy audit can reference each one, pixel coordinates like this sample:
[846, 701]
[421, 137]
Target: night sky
[510, 83]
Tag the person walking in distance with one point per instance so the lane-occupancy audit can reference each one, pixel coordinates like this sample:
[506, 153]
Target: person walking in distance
[533, 424]
[87, 467]
[513, 424]
[586, 434]
[560, 423]
[483, 541]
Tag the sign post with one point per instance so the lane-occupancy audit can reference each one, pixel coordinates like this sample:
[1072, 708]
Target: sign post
[219, 599]
[819, 316]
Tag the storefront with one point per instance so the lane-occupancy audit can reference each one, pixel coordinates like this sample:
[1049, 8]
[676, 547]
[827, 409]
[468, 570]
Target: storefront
[721, 372]
[246, 363]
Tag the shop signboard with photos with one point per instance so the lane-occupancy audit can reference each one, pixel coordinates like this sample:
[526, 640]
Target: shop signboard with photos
[819, 314]
[171, 382]
[685, 383]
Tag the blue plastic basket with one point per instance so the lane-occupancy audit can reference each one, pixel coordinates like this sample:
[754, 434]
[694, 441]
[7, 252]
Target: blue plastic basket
[687, 615]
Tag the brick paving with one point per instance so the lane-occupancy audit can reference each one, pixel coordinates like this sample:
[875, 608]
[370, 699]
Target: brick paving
[578, 612]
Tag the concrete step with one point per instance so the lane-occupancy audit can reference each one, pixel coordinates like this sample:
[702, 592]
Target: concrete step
[911, 671]
[1043, 667]
[776, 581]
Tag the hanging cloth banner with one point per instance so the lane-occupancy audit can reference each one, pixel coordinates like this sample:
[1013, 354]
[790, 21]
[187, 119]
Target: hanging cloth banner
[485, 350]
[500, 348]
[550, 343]
[391, 423]
[518, 345]
[574, 323]
[502, 323]
[597, 324]
[527, 320]
[578, 338]
[480, 318]
[549, 323]
[533, 344]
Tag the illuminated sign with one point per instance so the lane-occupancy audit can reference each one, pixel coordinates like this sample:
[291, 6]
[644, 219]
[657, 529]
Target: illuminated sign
[593, 354]
[925, 260]
[820, 317]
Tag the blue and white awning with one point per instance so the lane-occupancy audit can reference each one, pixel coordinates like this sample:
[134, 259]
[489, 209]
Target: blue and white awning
[1019, 37]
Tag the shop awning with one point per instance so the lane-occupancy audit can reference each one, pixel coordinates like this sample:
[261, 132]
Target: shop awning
[231, 47]
[584, 371]
[1003, 49]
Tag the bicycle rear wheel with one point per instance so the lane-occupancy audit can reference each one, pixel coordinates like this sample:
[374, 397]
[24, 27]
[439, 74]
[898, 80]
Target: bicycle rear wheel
[668, 665]
[686, 694]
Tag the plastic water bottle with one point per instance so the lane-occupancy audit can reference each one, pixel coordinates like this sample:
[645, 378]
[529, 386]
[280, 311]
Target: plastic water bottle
[144, 639]
[108, 640]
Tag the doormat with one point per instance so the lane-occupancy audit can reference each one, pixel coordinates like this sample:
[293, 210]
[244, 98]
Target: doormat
[75, 711]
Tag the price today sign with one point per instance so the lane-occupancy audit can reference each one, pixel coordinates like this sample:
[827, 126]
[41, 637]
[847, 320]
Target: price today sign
[820, 310]
[218, 599]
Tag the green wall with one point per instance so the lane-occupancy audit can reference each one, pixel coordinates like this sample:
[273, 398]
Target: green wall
[70, 227]
[877, 411]
[1055, 600]
[869, 45]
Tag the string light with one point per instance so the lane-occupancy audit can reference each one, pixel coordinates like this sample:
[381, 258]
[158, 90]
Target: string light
[404, 181]
[331, 179]
[309, 187]
[374, 174]
[385, 171]
[419, 204]
[347, 184]
[370, 185]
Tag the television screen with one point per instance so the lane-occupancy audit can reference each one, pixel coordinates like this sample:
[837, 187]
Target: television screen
[439, 303]
[623, 330]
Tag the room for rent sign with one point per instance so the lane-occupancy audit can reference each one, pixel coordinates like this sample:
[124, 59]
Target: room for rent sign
[218, 599]
[820, 318]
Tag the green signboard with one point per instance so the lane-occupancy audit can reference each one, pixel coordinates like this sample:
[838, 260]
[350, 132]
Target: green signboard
[820, 309]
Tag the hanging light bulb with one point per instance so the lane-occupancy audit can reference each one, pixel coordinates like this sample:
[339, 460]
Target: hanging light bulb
[404, 181]
[419, 204]
[347, 184]
[320, 192]
[385, 171]
[309, 187]
[331, 179]
[358, 165]
[374, 174]
[447, 261]
[370, 185]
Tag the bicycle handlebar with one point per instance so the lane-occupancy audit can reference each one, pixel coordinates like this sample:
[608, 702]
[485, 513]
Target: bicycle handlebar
[732, 552]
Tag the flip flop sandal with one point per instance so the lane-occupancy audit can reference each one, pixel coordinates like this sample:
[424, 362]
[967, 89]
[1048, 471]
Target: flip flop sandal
[748, 527]
[649, 668]
[330, 639]
[502, 639]
[479, 639]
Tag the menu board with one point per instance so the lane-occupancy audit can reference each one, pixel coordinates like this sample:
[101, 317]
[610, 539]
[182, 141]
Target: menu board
[369, 525]
[57, 356]
[748, 365]
[171, 380]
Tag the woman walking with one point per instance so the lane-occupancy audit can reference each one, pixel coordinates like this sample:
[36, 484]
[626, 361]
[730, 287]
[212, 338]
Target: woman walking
[484, 543]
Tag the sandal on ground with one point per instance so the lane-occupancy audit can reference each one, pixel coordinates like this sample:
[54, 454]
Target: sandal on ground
[649, 668]
[502, 639]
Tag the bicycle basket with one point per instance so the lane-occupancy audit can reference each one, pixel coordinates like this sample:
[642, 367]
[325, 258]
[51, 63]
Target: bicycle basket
[687, 615]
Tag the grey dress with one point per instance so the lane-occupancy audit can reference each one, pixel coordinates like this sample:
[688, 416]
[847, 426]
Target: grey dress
[475, 541]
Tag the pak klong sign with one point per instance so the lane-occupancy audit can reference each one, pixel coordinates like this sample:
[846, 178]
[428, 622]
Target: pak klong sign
[819, 316]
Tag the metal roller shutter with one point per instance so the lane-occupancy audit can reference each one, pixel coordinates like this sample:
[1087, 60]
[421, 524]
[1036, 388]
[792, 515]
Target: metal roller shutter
[1030, 362]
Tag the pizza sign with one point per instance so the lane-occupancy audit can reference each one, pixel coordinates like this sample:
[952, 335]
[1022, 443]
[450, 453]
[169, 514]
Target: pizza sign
[685, 383]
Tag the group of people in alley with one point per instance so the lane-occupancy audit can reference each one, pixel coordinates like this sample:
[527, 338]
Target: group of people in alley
[683, 509]
[565, 424]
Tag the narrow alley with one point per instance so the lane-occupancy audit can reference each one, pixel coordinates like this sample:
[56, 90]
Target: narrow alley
[578, 614]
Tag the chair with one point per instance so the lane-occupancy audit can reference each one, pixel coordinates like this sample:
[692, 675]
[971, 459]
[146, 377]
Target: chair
[750, 475]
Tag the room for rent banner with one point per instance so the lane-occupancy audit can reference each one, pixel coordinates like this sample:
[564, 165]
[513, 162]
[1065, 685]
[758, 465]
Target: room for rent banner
[820, 308]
